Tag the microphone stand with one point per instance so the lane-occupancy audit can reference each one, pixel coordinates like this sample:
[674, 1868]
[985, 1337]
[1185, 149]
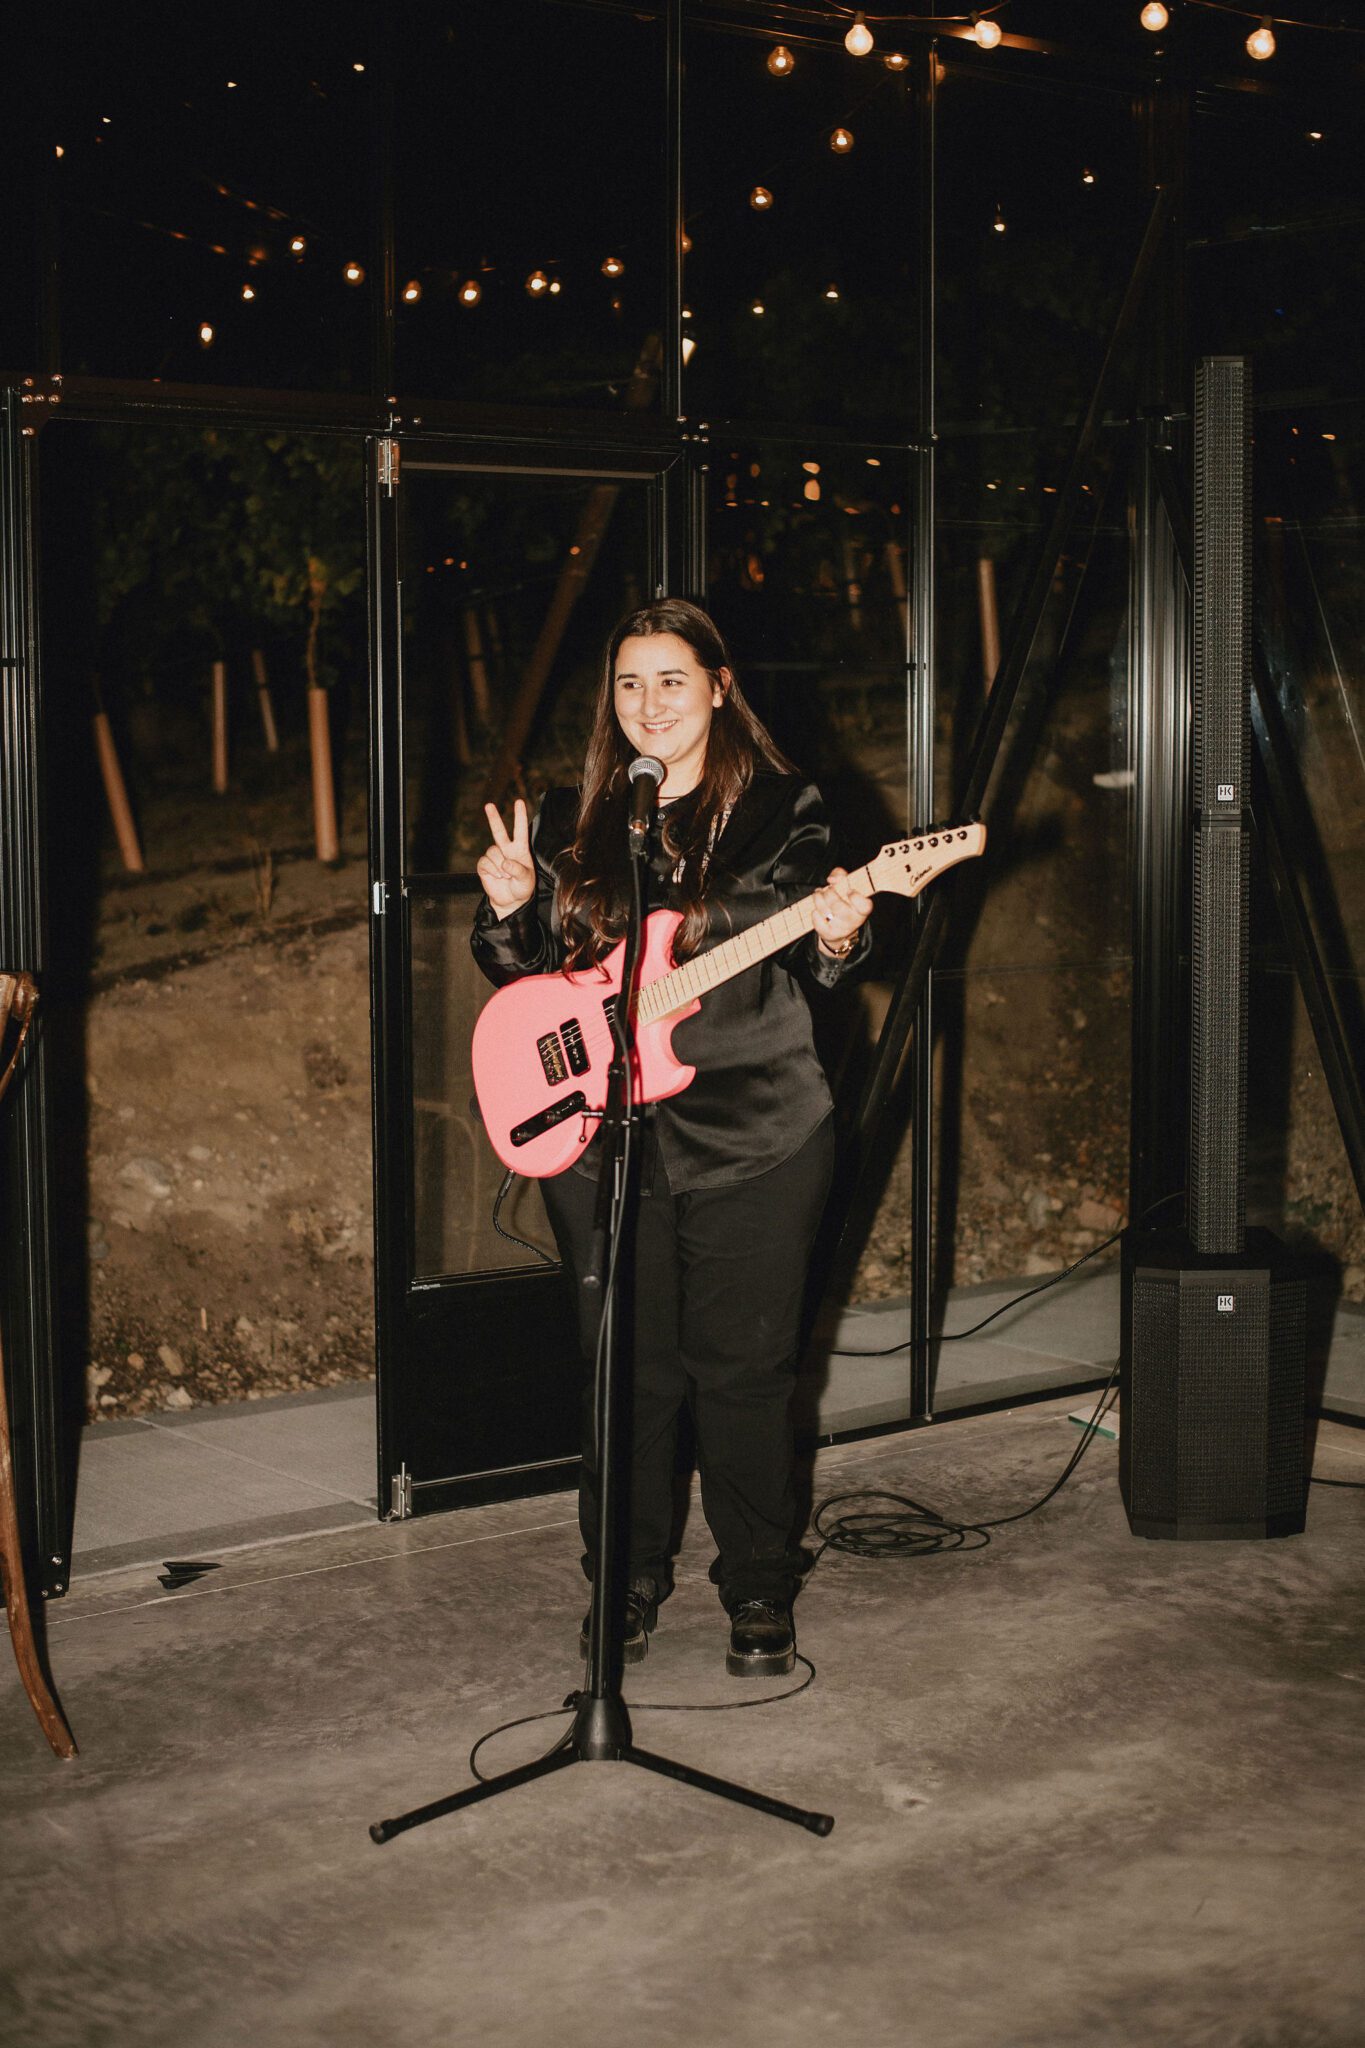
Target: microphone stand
[600, 1732]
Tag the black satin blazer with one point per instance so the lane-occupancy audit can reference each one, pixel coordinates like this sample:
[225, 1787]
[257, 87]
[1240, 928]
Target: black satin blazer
[760, 1090]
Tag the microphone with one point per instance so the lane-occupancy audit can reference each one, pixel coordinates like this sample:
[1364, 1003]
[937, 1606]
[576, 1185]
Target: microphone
[645, 774]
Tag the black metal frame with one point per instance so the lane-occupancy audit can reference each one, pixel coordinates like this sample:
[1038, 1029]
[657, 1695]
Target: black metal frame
[447, 433]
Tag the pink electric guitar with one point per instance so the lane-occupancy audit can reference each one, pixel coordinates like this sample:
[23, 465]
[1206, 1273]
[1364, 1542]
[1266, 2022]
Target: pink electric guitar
[542, 1046]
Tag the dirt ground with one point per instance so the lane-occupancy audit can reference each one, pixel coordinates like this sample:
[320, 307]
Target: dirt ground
[229, 1171]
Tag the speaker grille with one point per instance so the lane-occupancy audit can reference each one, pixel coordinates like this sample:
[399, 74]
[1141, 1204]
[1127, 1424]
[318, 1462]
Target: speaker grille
[1222, 1399]
[1220, 940]
[1222, 585]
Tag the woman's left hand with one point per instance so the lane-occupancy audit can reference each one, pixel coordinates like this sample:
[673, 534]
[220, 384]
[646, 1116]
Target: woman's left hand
[841, 911]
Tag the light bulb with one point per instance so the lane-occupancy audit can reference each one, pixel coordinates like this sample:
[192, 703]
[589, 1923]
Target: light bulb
[831, 291]
[248, 292]
[60, 150]
[781, 61]
[811, 491]
[999, 223]
[357, 67]
[688, 348]
[757, 306]
[841, 142]
[1154, 17]
[613, 267]
[297, 244]
[987, 33]
[354, 273]
[858, 41]
[895, 60]
[412, 291]
[471, 292]
[1261, 41]
[555, 287]
[760, 199]
[205, 335]
[1087, 177]
[811, 468]
[537, 284]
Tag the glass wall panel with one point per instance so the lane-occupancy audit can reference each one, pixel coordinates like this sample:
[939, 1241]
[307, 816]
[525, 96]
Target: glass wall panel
[212, 190]
[798, 279]
[1040, 217]
[510, 582]
[529, 201]
[1032, 997]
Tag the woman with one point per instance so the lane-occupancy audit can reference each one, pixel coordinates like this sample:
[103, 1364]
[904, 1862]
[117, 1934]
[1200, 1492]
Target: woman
[735, 1170]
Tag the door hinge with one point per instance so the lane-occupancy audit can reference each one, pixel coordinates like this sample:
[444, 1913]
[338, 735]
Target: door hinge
[389, 459]
[379, 898]
[400, 1495]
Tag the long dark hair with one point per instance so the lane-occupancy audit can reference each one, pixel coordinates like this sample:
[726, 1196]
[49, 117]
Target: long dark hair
[592, 872]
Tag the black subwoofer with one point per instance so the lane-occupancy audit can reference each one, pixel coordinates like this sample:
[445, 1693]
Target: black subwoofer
[1211, 1441]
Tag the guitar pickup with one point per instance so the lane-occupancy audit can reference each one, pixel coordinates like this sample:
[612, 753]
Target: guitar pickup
[552, 1058]
[534, 1126]
[571, 1033]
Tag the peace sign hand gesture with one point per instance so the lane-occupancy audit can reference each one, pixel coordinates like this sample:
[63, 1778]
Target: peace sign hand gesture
[507, 871]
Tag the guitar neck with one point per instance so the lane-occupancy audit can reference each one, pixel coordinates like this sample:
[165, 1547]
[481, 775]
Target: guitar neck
[697, 977]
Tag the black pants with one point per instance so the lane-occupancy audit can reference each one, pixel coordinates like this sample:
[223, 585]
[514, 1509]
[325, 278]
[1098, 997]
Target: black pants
[712, 1319]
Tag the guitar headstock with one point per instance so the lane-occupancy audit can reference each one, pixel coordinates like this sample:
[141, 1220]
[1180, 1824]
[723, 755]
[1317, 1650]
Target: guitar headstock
[909, 865]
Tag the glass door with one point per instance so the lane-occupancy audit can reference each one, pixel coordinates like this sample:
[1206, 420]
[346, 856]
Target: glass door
[494, 587]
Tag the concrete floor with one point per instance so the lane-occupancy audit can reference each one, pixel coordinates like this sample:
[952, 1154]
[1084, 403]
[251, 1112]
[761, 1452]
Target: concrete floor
[1088, 1790]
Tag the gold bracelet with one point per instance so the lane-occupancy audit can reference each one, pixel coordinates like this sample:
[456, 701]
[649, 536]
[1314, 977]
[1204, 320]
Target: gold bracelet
[840, 952]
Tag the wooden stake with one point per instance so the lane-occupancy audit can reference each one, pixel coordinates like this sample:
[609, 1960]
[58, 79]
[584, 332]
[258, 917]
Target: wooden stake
[479, 688]
[324, 788]
[116, 795]
[573, 576]
[895, 569]
[258, 669]
[220, 736]
[990, 619]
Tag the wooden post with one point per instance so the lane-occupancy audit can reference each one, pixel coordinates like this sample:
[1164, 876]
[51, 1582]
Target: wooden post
[319, 723]
[479, 688]
[18, 998]
[324, 787]
[573, 576]
[895, 569]
[220, 737]
[990, 619]
[853, 589]
[116, 794]
[258, 669]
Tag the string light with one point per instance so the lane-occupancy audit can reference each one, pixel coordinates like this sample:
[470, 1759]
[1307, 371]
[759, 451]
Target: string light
[895, 60]
[1087, 177]
[686, 243]
[858, 41]
[297, 244]
[986, 33]
[811, 468]
[555, 287]
[248, 292]
[60, 150]
[613, 267]
[758, 307]
[689, 348]
[1154, 17]
[841, 142]
[781, 62]
[412, 291]
[232, 85]
[471, 292]
[205, 334]
[1261, 41]
[831, 291]
[811, 490]
[357, 67]
[537, 284]
[1314, 135]
[354, 273]
[999, 223]
[760, 199]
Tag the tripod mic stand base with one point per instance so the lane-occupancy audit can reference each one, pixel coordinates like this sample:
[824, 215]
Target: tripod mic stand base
[601, 1734]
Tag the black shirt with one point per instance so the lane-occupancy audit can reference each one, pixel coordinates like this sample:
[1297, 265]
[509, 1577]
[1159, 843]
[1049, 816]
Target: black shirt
[759, 1090]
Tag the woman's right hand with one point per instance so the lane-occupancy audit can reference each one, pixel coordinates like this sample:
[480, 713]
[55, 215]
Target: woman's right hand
[507, 871]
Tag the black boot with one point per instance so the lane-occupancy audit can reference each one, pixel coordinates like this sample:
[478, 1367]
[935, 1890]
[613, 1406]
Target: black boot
[762, 1640]
[642, 1611]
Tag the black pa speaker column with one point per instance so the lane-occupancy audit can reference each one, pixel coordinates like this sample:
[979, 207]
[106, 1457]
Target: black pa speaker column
[1211, 1432]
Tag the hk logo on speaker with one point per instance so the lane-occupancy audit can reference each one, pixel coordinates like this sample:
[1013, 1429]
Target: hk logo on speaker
[1226, 792]
[1226, 1304]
